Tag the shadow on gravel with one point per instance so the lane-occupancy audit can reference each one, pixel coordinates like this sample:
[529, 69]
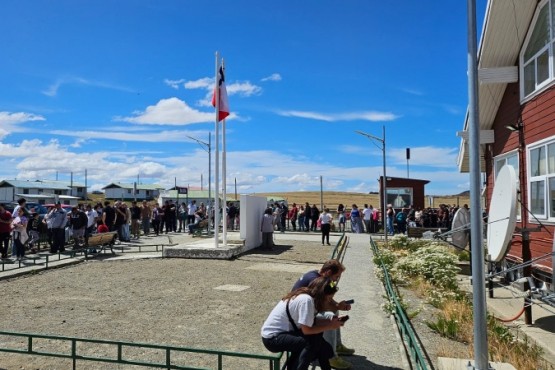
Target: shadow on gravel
[360, 362]
[276, 249]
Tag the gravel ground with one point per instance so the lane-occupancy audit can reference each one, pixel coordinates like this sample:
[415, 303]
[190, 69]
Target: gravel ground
[208, 304]
[159, 301]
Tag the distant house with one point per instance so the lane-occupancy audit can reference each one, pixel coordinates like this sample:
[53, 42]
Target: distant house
[42, 191]
[200, 196]
[130, 191]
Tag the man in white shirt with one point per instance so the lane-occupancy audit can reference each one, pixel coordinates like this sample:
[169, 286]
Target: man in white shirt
[367, 217]
[192, 209]
[92, 217]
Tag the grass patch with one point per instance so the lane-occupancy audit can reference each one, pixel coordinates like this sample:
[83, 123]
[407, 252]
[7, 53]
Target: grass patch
[429, 269]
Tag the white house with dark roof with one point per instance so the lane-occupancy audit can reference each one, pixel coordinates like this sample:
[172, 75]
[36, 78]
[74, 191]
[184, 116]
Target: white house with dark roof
[42, 191]
[131, 191]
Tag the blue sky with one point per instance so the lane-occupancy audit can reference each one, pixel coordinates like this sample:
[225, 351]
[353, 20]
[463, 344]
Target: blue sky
[116, 88]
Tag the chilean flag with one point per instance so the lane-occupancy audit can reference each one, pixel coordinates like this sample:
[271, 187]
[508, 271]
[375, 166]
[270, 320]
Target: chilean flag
[224, 103]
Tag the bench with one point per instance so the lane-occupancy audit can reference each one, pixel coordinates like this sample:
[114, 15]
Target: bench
[200, 228]
[416, 232]
[100, 242]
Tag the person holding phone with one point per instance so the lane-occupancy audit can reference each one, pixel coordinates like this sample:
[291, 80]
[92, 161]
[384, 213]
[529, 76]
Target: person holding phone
[331, 269]
[293, 326]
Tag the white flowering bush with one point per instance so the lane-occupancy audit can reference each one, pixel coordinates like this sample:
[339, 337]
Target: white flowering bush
[399, 241]
[434, 262]
[436, 297]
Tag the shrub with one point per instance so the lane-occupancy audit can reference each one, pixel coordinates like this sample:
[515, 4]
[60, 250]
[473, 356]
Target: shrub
[399, 241]
[434, 263]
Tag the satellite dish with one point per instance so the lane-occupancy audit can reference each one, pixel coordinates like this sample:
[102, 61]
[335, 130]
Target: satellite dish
[461, 223]
[502, 213]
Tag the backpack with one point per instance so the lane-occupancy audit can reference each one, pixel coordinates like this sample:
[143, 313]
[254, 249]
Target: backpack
[401, 217]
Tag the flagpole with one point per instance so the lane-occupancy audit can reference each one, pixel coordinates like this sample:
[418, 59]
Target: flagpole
[224, 181]
[217, 159]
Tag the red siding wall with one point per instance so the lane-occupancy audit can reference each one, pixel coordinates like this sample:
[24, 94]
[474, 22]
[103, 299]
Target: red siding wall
[538, 119]
[416, 185]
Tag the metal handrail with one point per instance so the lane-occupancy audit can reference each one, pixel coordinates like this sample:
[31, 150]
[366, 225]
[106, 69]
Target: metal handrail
[412, 345]
[339, 249]
[273, 359]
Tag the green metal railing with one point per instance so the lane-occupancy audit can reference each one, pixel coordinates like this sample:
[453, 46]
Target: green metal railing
[338, 252]
[407, 332]
[44, 259]
[76, 353]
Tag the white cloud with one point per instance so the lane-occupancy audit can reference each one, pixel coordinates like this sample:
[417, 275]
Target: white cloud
[52, 90]
[206, 83]
[243, 89]
[172, 111]
[452, 109]
[7, 118]
[174, 84]
[78, 143]
[272, 77]
[255, 170]
[150, 137]
[412, 91]
[372, 116]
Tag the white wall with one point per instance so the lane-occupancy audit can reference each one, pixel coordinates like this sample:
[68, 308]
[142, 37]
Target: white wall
[252, 210]
[6, 194]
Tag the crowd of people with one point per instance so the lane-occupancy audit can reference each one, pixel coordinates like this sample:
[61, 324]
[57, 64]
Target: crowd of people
[22, 228]
[366, 220]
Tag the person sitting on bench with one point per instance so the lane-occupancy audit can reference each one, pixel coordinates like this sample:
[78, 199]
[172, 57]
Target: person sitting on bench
[199, 216]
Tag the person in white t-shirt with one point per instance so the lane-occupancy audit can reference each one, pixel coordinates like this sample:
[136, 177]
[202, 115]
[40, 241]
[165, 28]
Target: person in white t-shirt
[92, 217]
[367, 217]
[293, 327]
[191, 210]
[325, 225]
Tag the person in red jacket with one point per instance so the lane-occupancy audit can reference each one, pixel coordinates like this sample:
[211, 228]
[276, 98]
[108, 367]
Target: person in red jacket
[5, 230]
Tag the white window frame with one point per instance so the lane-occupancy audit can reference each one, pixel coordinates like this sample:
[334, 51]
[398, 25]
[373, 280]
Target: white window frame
[548, 215]
[550, 80]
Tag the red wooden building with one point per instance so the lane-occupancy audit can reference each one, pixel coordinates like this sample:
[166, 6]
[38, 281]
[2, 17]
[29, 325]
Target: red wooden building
[403, 192]
[516, 65]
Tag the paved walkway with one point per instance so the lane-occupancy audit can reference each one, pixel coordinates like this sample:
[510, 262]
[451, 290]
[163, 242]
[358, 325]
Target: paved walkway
[370, 331]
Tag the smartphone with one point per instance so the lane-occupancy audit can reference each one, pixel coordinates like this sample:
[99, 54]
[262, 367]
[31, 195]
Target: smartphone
[344, 318]
[350, 301]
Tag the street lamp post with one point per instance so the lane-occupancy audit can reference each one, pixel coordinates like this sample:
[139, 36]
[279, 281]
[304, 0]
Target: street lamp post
[384, 184]
[207, 146]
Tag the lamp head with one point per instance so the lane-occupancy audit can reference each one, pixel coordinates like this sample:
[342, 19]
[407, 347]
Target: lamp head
[516, 127]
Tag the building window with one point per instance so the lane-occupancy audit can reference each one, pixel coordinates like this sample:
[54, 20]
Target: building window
[128, 191]
[399, 197]
[537, 69]
[507, 158]
[79, 190]
[541, 169]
